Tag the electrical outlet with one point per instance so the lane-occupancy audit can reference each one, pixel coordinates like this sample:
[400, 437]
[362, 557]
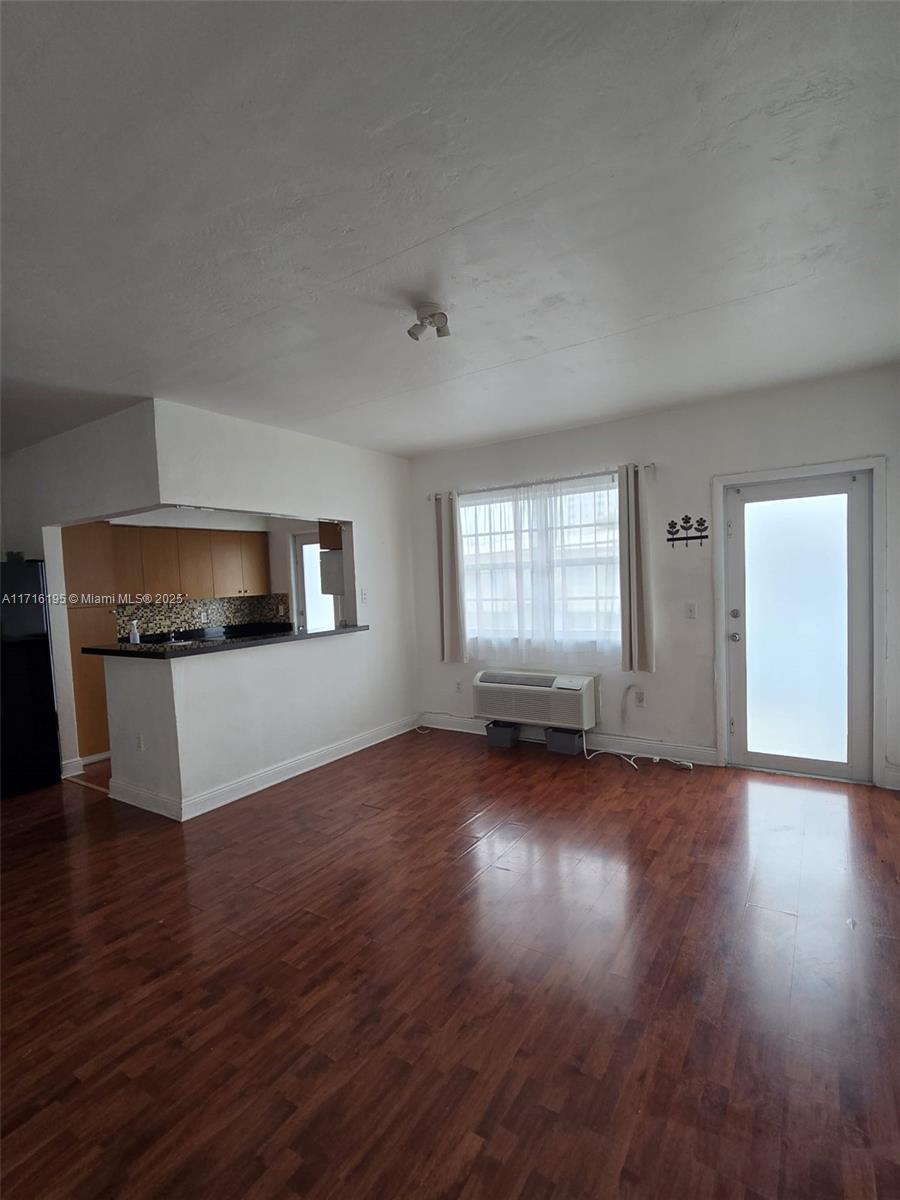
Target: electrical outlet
[363, 596]
[204, 617]
[459, 686]
[140, 741]
[281, 610]
[640, 699]
[690, 610]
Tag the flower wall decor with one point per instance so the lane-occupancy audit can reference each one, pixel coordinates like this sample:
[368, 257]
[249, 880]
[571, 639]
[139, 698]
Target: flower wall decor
[687, 530]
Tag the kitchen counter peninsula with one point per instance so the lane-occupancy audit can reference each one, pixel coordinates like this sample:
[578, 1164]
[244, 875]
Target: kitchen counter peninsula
[185, 646]
[192, 727]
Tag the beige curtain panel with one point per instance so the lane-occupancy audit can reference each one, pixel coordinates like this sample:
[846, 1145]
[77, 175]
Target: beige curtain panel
[634, 571]
[450, 594]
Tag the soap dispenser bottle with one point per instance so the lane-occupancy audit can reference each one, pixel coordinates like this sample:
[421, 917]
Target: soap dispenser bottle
[134, 635]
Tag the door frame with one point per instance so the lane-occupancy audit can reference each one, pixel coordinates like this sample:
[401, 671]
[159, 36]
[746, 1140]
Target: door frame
[306, 538]
[877, 466]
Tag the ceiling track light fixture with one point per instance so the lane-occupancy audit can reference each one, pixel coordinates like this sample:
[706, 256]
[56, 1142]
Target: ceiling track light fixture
[429, 316]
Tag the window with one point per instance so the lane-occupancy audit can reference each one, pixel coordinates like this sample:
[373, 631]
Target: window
[540, 567]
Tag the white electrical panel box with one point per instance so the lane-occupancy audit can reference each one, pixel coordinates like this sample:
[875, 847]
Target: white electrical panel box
[331, 565]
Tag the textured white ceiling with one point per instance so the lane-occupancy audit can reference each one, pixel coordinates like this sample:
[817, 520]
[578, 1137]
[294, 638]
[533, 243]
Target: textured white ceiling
[237, 205]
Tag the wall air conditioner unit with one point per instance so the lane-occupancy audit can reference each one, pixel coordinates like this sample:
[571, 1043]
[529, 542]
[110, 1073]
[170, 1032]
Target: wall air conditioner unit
[535, 698]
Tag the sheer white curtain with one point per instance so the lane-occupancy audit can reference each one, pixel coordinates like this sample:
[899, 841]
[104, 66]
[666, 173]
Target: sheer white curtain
[540, 566]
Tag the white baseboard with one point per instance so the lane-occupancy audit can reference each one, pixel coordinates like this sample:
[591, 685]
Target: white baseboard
[194, 806]
[888, 776]
[617, 743]
[92, 758]
[203, 802]
[128, 793]
[72, 766]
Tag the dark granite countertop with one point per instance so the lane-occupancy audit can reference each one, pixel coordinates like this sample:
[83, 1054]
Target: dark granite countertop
[210, 645]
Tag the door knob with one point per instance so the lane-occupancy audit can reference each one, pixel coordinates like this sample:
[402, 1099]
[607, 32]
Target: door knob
[735, 637]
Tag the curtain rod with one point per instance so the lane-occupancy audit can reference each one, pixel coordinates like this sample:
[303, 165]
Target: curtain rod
[503, 487]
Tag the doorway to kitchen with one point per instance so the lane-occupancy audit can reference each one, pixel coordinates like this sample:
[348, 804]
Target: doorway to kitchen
[317, 611]
[798, 625]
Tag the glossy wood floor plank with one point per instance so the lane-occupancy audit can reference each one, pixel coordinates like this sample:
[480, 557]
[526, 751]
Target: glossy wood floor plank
[437, 970]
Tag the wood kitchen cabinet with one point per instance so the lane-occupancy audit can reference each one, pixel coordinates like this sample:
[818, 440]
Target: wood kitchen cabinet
[240, 563]
[128, 566]
[255, 563]
[90, 626]
[196, 563]
[88, 562]
[159, 554]
[228, 572]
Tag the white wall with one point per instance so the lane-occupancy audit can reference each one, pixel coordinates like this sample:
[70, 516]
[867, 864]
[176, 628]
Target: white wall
[62, 655]
[141, 700]
[274, 707]
[339, 686]
[102, 469]
[837, 418]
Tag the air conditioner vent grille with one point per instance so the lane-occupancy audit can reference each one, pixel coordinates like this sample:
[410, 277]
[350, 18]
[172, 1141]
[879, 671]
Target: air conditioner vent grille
[518, 677]
[532, 698]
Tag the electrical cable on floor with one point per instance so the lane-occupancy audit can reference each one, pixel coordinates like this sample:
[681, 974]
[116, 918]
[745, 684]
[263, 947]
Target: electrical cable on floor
[631, 759]
[593, 754]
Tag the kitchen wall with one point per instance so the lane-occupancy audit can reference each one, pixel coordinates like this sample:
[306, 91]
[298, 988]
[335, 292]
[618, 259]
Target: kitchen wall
[165, 453]
[841, 417]
[195, 614]
[342, 688]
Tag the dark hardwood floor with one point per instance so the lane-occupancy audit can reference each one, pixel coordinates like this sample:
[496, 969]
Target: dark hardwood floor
[95, 775]
[437, 970]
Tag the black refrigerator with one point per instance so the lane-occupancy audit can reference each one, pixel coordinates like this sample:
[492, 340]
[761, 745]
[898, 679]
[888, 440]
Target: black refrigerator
[30, 735]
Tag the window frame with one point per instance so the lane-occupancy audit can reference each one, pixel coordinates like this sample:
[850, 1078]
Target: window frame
[596, 556]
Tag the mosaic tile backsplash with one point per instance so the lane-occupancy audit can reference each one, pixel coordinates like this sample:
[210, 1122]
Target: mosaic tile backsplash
[186, 614]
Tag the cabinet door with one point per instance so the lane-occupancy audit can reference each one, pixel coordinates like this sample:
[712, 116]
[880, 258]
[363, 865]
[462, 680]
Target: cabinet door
[255, 563]
[331, 535]
[195, 560]
[159, 552]
[88, 562]
[127, 563]
[228, 574]
[93, 626]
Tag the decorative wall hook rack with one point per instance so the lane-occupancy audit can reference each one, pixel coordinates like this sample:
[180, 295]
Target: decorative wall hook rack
[681, 532]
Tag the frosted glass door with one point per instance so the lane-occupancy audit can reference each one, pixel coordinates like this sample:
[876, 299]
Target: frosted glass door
[798, 628]
[796, 597]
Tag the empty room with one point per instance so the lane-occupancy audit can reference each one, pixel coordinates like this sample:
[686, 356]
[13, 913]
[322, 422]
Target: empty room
[450, 600]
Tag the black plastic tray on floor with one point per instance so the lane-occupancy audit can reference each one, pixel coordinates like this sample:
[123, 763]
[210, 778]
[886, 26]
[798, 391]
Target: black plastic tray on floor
[502, 734]
[565, 741]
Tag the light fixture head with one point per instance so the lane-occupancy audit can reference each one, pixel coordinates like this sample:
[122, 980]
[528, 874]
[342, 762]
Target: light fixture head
[441, 324]
[429, 316]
